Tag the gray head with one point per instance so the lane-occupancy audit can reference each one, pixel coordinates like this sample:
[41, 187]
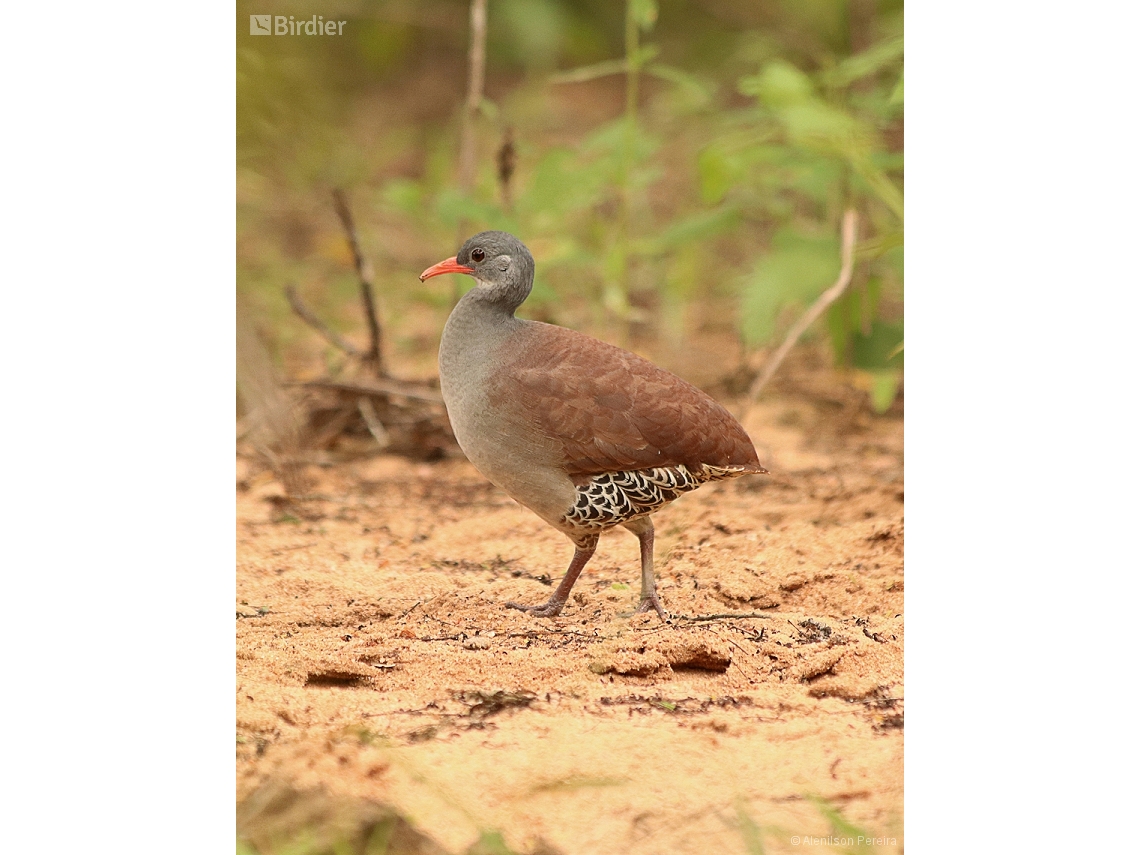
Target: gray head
[503, 268]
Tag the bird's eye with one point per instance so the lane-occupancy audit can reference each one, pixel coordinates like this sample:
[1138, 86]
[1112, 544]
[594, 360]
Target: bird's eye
[478, 255]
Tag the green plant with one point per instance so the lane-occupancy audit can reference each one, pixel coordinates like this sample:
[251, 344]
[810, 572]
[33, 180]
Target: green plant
[668, 196]
[586, 204]
[844, 836]
[809, 147]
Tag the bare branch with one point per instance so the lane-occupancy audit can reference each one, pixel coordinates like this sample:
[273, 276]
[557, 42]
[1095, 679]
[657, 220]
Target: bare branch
[308, 316]
[476, 62]
[847, 264]
[364, 270]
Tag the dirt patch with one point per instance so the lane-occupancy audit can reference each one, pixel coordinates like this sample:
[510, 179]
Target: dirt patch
[378, 665]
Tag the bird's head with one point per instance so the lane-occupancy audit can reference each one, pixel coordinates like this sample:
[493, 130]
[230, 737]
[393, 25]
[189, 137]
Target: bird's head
[503, 268]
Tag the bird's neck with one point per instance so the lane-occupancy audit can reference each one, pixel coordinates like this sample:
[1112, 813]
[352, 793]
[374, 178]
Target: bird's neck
[478, 326]
[484, 306]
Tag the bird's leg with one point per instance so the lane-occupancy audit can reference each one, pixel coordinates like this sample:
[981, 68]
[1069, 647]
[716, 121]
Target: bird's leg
[583, 551]
[643, 528]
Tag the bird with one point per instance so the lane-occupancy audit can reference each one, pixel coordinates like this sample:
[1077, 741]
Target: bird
[585, 434]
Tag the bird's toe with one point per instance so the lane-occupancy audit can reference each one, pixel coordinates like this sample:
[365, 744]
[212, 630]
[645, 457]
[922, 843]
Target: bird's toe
[652, 604]
[545, 610]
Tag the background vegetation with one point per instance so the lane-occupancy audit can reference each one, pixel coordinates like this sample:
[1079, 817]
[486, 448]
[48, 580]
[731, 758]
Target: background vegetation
[680, 169]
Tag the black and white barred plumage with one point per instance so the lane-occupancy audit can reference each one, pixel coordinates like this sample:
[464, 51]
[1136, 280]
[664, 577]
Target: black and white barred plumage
[613, 498]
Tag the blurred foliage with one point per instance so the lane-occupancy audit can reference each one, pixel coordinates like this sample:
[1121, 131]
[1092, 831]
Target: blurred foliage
[675, 159]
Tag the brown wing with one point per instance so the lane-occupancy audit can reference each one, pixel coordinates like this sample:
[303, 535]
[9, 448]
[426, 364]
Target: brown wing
[612, 410]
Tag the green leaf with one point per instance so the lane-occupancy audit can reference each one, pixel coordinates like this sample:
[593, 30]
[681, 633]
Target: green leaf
[816, 124]
[872, 248]
[489, 109]
[452, 206]
[610, 139]
[590, 72]
[878, 348]
[884, 389]
[864, 64]
[869, 303]
[749, 830]
[644, 13]
[816, 177]
[696, 227]
[562, 185]
[843, 827]
[718, 173]
[490, 843]
[897, 94]
[404, 195]
[798, 269]
[698, 92]
[533, 32]
[779, 84]
[643, 55]
[850, 315]
[541, 294]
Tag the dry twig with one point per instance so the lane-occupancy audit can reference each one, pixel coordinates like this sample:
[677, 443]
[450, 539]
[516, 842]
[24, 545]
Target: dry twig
[724, 616]
[375, 353]
[308, 316]
[847, 255]
[507, 160]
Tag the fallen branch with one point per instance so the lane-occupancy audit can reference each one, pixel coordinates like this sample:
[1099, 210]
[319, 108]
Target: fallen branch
[390, 415]
[375, 353]
[308, 316]
[847, 264]
[402, 416]
[375, 426]
[383, 387]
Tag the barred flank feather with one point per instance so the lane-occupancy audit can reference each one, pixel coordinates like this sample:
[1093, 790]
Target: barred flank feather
[613, 498]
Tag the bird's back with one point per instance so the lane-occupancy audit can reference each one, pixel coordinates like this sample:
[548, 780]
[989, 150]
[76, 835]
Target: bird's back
[611, 410]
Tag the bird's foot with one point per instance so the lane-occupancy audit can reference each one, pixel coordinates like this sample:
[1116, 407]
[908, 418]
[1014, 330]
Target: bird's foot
[651, 602]
[550, 608]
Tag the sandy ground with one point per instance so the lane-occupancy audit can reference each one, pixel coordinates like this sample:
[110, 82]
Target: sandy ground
[375, 659]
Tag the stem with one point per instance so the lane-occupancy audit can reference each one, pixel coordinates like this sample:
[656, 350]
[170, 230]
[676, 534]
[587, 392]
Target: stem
[847, 264]
[476, 64]
[619, 297]
[476, 67]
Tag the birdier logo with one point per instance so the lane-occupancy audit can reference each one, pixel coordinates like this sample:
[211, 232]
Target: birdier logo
[280, 25]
